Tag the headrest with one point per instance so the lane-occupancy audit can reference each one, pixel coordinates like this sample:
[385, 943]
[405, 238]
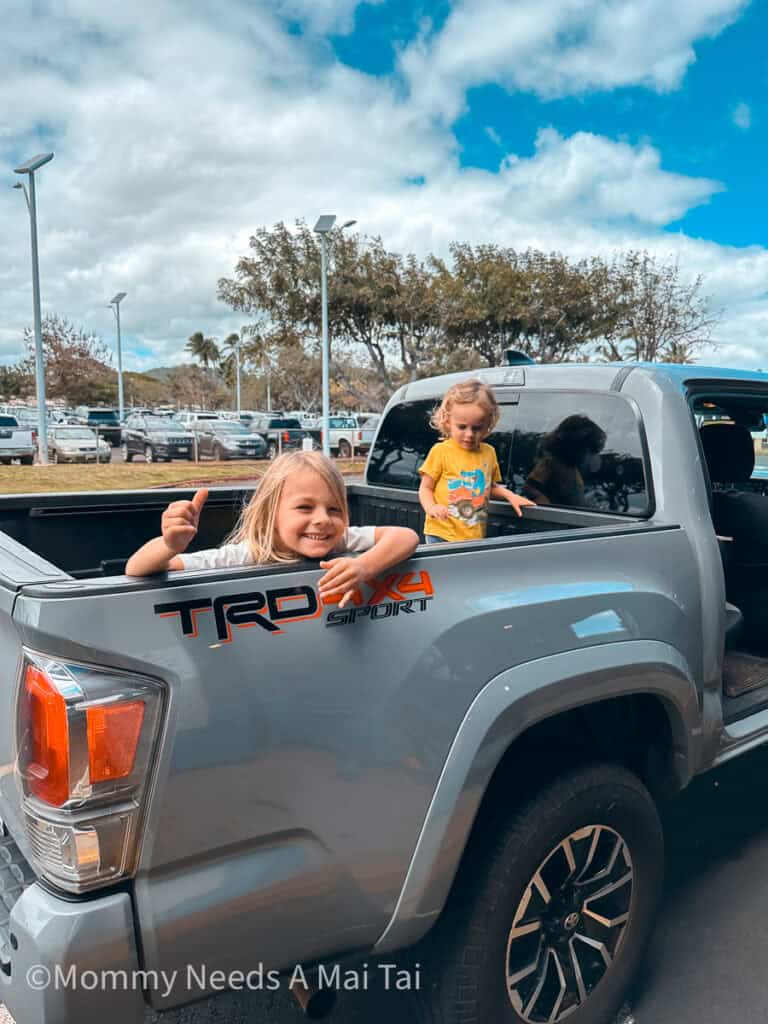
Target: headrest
[729, 451]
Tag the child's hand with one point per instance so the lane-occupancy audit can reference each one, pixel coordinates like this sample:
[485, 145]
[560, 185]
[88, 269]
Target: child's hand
[517, 502]
[440, 512]
[179, 522]
[344, 576]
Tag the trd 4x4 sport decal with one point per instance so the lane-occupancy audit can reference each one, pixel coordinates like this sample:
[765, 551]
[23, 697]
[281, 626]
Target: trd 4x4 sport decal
[394, 594]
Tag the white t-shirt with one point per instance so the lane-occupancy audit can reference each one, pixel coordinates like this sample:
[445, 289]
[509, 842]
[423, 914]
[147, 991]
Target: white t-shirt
[356, 539]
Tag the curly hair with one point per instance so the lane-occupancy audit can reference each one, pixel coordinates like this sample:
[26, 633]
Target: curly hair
[573, 438]
[257, 525]
[466, 392]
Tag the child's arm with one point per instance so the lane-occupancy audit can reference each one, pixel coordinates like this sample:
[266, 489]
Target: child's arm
[515, 500]
[427, 499]
[179, 526]
[392, 544]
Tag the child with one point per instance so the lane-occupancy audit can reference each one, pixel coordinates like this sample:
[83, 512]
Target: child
[299, 511]
[461, 473]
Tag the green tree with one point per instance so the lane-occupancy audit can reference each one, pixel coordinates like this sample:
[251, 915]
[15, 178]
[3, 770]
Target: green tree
[662, 315]
[205, 350]
[77, 363]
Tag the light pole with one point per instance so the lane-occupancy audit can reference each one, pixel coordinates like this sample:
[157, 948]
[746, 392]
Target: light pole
[237, 374]
[114, 305]
[29, 169]
[322, 228]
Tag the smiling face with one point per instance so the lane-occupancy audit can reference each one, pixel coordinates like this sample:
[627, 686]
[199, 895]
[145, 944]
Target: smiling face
[468, 425]
[310, 522]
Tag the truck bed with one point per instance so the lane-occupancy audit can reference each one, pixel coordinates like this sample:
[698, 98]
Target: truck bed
[92, 535]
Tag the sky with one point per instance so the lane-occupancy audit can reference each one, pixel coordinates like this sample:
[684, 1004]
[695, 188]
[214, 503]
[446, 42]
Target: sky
[179, 127]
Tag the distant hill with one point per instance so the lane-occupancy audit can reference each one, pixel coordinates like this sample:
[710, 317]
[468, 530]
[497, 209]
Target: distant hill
[163, 373]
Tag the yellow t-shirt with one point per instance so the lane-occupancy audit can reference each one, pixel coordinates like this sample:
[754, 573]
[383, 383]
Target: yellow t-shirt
[463, 482]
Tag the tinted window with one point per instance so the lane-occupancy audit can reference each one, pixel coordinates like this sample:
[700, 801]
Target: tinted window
[75, 432]
[8, 421]
[579, 451]
[557, 448]
[406, 437]
[230, 427]
[285, 424]
[102, 416]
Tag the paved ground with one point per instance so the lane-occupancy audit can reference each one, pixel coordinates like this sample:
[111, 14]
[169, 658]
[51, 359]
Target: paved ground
[707, 961]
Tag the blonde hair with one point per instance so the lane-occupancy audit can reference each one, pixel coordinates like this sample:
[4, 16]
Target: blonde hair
[466, 392]
[257, 525]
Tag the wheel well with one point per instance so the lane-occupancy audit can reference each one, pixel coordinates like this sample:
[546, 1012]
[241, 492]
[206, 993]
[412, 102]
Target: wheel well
[634, 731]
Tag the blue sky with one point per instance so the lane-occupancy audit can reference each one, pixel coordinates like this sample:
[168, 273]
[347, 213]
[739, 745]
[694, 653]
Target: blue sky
[715, 124]
[181, 126]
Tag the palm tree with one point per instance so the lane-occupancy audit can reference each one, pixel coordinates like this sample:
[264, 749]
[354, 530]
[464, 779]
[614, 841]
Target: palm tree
[229, 364]
[203, 349]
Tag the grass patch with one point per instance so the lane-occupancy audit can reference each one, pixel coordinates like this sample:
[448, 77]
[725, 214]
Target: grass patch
[135, 476]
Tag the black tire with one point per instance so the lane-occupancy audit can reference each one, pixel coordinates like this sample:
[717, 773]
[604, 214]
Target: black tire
[345, 449]
[149, 455]
[27, 460]
[272, 450]
[218, 454]
[127, 456]
[55, 458]
[468, 962]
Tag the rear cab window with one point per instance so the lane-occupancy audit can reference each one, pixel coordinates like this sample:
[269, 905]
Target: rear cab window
[560, 448]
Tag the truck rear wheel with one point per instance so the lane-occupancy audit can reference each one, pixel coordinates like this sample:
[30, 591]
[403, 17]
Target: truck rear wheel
[549, 918]
[345, 449]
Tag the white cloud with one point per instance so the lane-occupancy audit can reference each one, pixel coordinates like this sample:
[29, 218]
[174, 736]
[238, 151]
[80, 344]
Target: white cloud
[559, 47]
[179, 128]
[742, 116]
[323, 15]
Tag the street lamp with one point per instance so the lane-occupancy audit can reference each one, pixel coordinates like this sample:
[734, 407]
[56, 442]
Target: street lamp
[237, 374]
[114, 305]
[322, 228]
[29, 169]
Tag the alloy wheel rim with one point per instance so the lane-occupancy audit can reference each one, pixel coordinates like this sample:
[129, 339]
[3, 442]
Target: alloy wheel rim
[569, 924]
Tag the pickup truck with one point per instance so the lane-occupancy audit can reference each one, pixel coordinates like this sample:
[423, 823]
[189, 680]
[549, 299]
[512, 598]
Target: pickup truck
[217, 778]
[280, 433]
[346, 436]
[15, 442]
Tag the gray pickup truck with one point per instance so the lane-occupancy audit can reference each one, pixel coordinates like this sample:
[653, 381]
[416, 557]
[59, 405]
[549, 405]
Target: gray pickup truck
[212, 779]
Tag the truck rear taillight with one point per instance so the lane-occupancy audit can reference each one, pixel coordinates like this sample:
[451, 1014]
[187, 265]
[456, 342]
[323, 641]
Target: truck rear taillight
[286, 437]
[45, 713]
[85, 744]
[359, 435]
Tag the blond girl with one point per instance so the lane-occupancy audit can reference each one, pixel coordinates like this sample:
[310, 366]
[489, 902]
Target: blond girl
[299, 512]
[461, 472]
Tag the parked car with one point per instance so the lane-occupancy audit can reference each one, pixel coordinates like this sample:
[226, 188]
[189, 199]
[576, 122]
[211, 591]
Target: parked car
[306, 419]
[347, 437]
[16, 442]
[204, 772]
[104, 421]
[77, 444]
[281, 433]
[157, 438]
[228, 439]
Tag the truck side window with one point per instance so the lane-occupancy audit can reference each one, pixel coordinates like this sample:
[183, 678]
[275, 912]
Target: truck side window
[579, 451]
